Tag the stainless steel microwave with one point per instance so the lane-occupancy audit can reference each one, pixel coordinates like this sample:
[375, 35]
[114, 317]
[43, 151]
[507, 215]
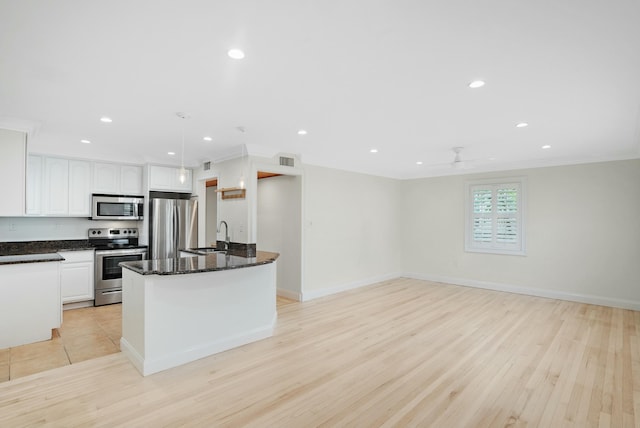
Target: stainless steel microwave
[116, 207]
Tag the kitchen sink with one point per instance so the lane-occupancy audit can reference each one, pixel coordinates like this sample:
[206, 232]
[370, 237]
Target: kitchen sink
[206, 250]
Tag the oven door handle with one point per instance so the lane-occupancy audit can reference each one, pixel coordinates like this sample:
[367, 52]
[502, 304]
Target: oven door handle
[120, 252]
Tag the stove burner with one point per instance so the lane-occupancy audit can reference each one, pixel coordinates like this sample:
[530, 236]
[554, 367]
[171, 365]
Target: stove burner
[113, 238]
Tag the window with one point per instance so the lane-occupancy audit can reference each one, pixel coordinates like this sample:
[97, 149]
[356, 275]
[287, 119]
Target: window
[495, 216]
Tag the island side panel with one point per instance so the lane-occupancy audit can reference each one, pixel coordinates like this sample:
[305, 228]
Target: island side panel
[133, 317]
[30, 302]
[190, 316]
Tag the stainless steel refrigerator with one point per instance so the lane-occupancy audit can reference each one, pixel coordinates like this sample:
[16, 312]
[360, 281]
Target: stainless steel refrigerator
[173, 224]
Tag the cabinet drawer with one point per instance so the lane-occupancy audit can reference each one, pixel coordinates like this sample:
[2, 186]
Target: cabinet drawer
[76, 256]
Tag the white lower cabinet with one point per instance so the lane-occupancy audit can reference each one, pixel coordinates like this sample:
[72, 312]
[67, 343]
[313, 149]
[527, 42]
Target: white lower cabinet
[30, 302]
[76, 276]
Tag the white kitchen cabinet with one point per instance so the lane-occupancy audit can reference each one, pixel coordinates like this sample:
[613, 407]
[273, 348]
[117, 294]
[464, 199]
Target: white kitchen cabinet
[30, 305]
[115, 179]
[106, 178]
[35, 174]
[13, 160]
[79, 188]
[131, 180]
[76, 276]
[56, 186]
[165, 178]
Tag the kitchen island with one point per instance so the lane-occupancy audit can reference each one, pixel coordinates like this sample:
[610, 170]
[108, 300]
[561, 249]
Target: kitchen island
[175, 311]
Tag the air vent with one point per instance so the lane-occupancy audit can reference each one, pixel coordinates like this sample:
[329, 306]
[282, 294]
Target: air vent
[285, 161]
[207, 166]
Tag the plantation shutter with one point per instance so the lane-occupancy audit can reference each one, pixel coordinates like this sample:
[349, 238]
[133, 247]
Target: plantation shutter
[495, 218]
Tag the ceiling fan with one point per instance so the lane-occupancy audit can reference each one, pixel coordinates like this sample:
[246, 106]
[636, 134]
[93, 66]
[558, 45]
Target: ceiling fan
[458, 162]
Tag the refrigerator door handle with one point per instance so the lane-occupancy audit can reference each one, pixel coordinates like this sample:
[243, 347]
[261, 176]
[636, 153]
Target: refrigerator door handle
[176, 231]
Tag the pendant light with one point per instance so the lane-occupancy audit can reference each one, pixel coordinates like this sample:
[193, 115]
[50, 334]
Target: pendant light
[183, 172]
[242, 182]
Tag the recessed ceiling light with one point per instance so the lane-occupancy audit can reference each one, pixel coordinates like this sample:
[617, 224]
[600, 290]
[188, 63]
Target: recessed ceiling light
[546, 146]
[208, 139]
[302, 132]
[235, 54]
[419, 163]
[373, 150]
[171, 153]
[85, 141]
[522, 125]
[106, 119]
[476, 84]
[492, 158]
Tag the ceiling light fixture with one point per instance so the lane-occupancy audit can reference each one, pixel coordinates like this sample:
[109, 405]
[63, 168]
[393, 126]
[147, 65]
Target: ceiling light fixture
[183, 172]
[235, 53]
[476, 84]
[106, 119]
[171, 153]
[373, 150]
[85, 141]
[546, 146]
[302, 132]
[208, 139]
[522, 125]
[419, 163]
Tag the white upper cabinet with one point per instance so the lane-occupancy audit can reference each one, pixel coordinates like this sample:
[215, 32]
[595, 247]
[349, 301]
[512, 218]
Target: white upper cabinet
[58, 187]
[131, 180]
[56, 179]
[35, 174]
[79, 188]
[13, 159]
[117, 179]
[165, 178]
[106, 178]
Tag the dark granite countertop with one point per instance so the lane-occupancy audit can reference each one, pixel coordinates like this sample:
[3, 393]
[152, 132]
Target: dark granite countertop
[30, 258]
[39, 251]
[209, 263]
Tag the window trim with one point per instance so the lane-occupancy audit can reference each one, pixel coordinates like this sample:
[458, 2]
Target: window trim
[521, 250]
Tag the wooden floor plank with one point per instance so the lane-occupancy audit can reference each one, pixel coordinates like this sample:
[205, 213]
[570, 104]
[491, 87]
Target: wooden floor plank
[399, 353]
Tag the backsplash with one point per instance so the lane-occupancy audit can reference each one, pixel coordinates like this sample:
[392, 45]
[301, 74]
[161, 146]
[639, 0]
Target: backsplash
[52, 228]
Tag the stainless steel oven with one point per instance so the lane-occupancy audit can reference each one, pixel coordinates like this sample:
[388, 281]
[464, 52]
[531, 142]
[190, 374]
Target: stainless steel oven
[113, 246]
[108, 273]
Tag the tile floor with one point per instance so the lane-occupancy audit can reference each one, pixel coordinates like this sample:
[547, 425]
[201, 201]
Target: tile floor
[85, 334]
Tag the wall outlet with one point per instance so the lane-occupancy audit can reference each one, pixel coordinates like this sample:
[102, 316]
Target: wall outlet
[12, 227]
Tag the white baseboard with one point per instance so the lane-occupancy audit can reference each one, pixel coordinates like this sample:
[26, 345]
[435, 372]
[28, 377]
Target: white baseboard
[289, 294]
[147, 367]
[77, 305]
[537, 292]
[314, 294]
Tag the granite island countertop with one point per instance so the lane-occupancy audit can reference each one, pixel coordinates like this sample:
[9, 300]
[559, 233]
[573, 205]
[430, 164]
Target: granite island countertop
[209, 263]
[39, 251]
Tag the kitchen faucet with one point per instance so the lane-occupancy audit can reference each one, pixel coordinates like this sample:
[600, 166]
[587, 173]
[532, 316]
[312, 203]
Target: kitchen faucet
[226, 233]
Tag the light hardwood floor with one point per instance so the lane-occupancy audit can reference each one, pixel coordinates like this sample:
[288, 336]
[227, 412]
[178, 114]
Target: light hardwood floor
[85, 334]
[399, 353]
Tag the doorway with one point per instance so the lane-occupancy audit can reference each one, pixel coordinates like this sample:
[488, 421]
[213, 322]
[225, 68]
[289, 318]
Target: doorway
[211, 213]
[279, 228]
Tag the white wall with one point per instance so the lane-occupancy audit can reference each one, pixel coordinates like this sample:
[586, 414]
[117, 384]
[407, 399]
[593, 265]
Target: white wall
[52, 228]
[583, 234]
[279, 229]
[351, 230]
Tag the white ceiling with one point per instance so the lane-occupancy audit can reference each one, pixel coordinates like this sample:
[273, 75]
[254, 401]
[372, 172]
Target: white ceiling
[356, 74]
